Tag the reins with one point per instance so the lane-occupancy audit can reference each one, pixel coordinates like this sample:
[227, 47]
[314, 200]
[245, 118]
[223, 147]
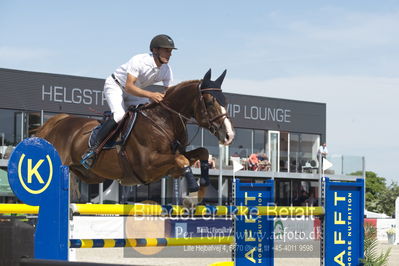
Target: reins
[182, 117]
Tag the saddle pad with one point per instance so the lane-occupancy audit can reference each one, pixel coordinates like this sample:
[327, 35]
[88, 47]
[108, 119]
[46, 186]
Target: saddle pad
[128, 122]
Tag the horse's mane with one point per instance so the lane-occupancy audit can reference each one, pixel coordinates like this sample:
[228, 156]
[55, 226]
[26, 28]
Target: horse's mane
[172, 89]
[181, 85]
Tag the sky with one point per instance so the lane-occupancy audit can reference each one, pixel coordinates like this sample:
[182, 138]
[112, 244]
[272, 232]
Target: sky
[342, 53]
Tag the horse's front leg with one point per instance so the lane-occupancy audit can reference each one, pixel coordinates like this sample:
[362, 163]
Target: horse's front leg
[202, 155]
[182, 166]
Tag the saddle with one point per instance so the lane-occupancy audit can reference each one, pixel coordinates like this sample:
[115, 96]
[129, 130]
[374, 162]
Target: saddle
[117, 140]
[119, 135]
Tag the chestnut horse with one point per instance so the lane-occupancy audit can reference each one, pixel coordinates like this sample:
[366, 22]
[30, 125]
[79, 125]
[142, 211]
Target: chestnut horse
[149, 146]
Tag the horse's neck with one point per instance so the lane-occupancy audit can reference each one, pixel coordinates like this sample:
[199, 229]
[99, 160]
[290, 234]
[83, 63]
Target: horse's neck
[182, 99]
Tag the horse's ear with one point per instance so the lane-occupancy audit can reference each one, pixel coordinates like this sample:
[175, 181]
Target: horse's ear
[207, 76]
[220, 79]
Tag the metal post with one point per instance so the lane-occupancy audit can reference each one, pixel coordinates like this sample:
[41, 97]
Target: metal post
[220, 185]
[101, 192]
[176, 191]
[41, 117]
[364, 176]
[163, 191]
[2, 138]
[342, 164]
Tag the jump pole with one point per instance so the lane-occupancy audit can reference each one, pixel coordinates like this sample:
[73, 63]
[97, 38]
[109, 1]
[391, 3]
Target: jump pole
[38, 178]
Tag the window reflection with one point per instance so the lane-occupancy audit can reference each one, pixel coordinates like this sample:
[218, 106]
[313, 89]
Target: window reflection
[284, 151]
[294, 153]
[259, 141]
[309, 145]
[241, 146]
[194, 134]
[211, 143]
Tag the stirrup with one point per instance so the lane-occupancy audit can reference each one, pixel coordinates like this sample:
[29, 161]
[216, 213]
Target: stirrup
[88, 159]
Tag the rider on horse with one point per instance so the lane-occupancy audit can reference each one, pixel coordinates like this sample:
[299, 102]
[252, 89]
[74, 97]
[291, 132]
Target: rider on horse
[125, 87]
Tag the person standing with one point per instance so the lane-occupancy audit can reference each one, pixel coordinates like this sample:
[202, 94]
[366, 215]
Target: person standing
[323, 151]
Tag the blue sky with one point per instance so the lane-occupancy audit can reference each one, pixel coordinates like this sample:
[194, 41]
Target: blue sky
[343, 53]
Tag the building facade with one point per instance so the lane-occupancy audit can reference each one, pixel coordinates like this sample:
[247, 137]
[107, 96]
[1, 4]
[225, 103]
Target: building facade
[288, 132]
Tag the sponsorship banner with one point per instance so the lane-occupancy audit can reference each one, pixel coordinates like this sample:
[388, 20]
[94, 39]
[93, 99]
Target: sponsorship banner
[344, 235]
[254, 233]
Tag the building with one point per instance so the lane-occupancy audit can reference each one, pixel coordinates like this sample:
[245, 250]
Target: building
[289, 132]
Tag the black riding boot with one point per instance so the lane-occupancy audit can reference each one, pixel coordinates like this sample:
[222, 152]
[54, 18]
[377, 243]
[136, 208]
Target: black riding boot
[88, 158]
[192, 185]
[204, 180]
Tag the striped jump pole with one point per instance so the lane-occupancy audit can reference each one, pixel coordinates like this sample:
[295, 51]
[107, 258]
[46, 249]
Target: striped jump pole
[150, 242]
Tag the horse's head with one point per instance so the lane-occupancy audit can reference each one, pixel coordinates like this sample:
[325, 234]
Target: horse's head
[211, 112]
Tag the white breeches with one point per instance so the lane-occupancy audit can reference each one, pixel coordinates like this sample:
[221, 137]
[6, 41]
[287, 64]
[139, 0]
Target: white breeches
[114, 96]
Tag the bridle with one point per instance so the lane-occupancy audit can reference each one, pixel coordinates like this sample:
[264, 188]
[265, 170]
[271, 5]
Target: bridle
[208, 119]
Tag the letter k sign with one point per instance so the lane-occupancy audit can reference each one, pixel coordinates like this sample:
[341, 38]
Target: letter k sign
[34, 171]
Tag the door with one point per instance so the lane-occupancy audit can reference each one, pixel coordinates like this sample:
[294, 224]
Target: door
[274, 150]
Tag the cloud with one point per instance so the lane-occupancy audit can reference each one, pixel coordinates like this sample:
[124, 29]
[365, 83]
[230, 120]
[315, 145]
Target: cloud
[366, 28]
[22, 54]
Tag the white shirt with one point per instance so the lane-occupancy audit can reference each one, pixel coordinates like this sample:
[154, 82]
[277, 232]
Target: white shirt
[142, 67]
[323, 149]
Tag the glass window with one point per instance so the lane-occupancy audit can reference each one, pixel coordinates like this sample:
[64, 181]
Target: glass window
[283, 151]
[34, 121]
[259, 141]
[294, 153]
[211, 143]
[194, 134]
[283, 192]
[242, 144]
[7, 126]
[309, 145]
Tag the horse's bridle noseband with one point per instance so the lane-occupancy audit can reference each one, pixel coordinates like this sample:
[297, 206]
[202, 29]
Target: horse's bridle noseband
[210, 120]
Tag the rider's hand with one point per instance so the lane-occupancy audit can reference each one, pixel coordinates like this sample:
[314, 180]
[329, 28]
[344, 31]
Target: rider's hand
[156, 97]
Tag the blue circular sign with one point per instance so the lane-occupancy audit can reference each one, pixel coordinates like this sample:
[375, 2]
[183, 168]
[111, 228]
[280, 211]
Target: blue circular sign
[33, 170]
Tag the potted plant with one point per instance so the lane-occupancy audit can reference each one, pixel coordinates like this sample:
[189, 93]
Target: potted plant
[391, 233]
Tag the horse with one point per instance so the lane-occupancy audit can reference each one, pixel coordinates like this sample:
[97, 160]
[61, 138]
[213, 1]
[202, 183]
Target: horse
[156, 146]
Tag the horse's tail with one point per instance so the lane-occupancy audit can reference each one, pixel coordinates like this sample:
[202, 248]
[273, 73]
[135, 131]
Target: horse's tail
[43, 131]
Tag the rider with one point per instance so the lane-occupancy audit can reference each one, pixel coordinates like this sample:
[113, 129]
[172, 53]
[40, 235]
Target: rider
[125, 87]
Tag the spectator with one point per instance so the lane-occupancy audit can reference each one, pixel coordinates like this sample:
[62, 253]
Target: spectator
[303, 197]
[212, 162]
[235, 154]
[253, 162]
[311, 201]
[264, 164]
[243, 152]
[323, 150]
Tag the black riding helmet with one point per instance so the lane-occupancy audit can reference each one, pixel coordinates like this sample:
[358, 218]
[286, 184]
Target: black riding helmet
[162, 41]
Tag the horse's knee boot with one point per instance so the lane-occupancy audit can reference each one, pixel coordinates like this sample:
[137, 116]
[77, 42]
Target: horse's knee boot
[204, 180]
[192, 185]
